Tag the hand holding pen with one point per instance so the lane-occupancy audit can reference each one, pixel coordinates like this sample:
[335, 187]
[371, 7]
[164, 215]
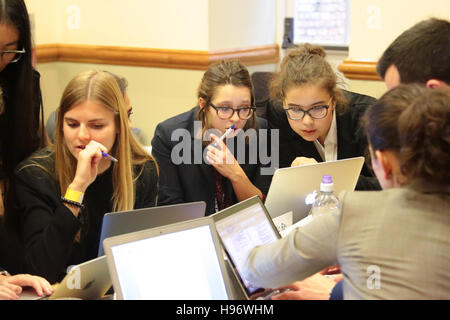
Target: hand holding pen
[89, 164]
[109, 157]
[228, 132]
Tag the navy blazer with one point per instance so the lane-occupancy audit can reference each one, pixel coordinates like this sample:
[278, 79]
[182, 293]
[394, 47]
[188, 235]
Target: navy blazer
[351, 137]
[189, 181]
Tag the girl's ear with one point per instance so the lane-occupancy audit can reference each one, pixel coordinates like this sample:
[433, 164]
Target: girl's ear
[435, 83]
[385, 163]
[201, 103]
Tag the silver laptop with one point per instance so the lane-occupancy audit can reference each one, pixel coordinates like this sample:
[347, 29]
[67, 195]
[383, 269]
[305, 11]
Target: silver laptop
[87, 281]
[117, 223]
[291, 186]
[182, 261]
[241, 228]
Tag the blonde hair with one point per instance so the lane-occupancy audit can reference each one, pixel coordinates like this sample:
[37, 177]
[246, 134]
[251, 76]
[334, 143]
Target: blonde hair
[101, 87]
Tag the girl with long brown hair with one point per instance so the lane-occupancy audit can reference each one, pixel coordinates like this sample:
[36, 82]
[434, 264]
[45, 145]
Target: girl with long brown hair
[221, 177]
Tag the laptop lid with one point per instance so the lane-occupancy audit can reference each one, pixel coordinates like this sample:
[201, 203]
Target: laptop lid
[242, 227]
[291, 186]
[89, 280]
[175, 262]
[117, 223]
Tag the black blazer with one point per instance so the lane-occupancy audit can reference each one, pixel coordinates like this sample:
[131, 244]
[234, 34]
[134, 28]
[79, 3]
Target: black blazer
[352, 141]
[194, 180]
[49, 227]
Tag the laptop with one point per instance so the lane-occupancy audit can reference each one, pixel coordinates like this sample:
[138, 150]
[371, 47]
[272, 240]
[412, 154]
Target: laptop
[87, 281]
[291, 186]
[241, 228]
[117, 223]
[181, 261]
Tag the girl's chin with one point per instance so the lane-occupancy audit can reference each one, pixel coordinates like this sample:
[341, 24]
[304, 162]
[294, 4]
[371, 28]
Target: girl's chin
[309, 138]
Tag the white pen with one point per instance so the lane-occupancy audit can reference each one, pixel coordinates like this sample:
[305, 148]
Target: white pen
[108, 156]
[230, 130]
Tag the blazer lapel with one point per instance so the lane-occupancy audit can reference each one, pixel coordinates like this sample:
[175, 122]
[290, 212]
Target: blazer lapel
[197, 150]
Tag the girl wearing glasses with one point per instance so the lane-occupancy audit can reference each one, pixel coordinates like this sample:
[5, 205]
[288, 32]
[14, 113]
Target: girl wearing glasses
[21, 131]
[317, 120]
[192, 169]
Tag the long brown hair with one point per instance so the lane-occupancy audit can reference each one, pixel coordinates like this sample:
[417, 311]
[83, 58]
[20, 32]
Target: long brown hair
[101, 87]
[303, 66]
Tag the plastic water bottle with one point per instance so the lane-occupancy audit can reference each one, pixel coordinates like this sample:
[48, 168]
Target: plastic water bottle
[325, 202]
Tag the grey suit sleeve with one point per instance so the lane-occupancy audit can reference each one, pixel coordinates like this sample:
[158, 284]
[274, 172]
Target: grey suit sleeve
[305, 251]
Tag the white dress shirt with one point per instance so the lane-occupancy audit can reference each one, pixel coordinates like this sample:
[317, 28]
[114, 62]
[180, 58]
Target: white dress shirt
[329, 151]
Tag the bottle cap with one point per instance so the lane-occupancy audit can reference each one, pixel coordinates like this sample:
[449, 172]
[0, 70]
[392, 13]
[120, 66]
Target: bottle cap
[327, 184]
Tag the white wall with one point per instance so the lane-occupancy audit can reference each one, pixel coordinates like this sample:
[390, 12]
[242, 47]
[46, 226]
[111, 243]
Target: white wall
[156, 93]
[169, 24]
[374, 24]
[241, 23]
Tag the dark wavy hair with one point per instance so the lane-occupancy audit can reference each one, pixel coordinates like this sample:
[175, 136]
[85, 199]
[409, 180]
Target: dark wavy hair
[413, 122]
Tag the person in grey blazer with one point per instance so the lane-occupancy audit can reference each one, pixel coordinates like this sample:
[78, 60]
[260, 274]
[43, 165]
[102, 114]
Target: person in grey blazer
[191, 168]
[390, 244]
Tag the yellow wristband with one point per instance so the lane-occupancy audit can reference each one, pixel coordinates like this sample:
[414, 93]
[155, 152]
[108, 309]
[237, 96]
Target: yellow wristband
[73, 195]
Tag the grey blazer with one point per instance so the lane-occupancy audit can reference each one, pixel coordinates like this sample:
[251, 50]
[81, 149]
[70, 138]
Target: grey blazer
[391, 244]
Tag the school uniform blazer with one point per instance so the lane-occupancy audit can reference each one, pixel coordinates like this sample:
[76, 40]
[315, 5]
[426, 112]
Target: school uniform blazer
[49, 228]
[352, 141]
[189, 181]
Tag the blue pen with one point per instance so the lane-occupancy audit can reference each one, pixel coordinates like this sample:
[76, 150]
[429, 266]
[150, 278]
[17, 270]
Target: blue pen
[230, 130]
[110, 157]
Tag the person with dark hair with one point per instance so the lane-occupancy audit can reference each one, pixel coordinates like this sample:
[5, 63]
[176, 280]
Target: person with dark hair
[391, 244]
[192, 169]
[420, 54]
[21, 131]
[317, 121]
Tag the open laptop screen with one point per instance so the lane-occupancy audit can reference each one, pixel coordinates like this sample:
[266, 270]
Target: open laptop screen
[179, 265]
[243, 230]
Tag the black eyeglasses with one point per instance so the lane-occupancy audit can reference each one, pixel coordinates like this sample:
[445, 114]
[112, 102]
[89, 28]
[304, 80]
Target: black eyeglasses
[226, 113]
[12, 55]
[317, 112]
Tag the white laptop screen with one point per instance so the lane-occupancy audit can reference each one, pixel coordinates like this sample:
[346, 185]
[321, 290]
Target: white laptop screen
[244, 230]
[176, 266]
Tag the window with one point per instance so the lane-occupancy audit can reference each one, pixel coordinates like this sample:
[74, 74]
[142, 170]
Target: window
[322, 22]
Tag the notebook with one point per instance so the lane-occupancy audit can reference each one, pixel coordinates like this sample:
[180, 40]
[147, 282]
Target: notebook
[291, 186]
[117, 223]
[241, 228]
[88, 281]
[182, 261]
